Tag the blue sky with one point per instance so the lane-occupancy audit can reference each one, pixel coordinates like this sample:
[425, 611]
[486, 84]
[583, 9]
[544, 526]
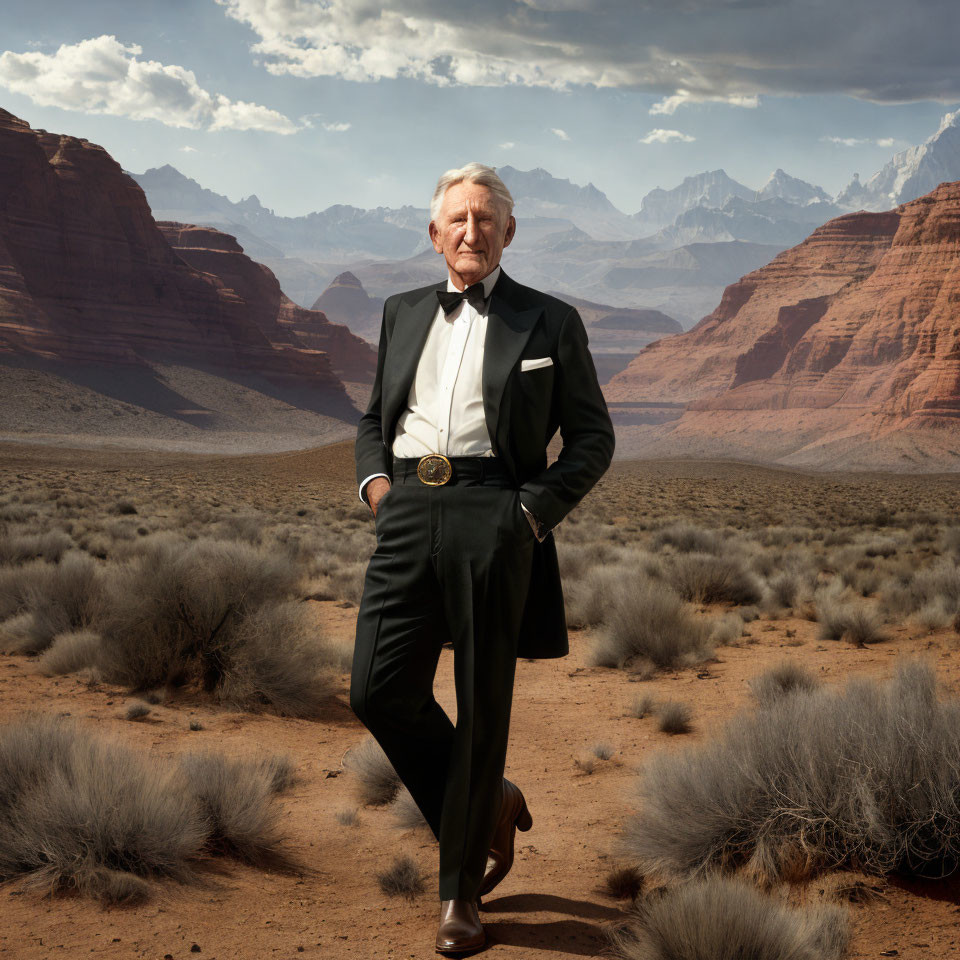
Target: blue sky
[307, 104]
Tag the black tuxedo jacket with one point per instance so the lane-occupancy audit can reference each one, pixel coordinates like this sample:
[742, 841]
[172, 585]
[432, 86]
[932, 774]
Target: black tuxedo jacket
[523, 410]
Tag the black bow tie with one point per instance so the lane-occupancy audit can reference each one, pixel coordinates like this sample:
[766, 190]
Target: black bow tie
[451, 299]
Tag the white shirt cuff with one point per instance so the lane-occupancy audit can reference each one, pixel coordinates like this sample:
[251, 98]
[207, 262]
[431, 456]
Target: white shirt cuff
[533, 523]
[366, 481]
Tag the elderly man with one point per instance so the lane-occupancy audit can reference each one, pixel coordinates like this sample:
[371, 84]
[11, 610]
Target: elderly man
[474, 377]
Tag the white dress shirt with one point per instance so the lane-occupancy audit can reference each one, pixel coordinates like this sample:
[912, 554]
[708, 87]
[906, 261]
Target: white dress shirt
[444, 412]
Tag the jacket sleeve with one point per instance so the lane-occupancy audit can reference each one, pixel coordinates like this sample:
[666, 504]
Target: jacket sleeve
[370, 452]
[585, 428]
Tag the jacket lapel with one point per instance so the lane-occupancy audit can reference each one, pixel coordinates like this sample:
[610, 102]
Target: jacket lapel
[410, 331]
[508, 329]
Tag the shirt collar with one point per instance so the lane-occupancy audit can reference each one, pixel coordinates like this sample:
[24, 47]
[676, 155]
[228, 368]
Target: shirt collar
[488, 281]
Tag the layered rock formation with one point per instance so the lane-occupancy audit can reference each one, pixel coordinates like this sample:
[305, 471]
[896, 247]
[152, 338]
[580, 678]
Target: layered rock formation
[281, 320]
[88, 282]
[843, 351]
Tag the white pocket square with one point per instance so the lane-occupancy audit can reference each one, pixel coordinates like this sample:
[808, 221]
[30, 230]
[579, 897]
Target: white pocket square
[535, 363]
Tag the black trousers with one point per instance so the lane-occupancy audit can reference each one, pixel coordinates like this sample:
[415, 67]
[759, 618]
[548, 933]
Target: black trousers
[452, 562]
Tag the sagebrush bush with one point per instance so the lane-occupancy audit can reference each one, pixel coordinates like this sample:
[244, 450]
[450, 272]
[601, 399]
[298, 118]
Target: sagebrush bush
[705, 578]
[375, 782]
[81, 812]
[588, 601]
[726, 629]
[687, 538]
[276, 659]
[406, 814]
[59, 597]
[217, 614]
[866, 777]
[402, 878]
[235, 794]
[785, 588]
[49, 545]
[674, 717]
[722, 919]
[844, 619]
[69, 652]
[648, 621]
[786, 677]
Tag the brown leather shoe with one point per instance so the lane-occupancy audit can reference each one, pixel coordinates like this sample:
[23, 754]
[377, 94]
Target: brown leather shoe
[514, 816]
[460, 927]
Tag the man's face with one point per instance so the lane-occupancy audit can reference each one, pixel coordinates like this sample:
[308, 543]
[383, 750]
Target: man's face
[470, 232]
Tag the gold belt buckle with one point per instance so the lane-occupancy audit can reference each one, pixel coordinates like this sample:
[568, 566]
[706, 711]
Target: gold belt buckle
[434, 469]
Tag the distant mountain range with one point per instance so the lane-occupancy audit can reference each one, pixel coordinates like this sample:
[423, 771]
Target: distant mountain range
[676, 254]
[911, 173]
[616, 333]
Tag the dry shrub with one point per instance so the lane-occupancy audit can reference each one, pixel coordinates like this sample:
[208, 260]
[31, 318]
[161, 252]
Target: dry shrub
[69, 595]
[71, 651]
[81, 812]
[275, 659]
[49, 545]
[687, 538]
[215, 613]
[934, 614]
[347, 579]
[723, 919]
[726, 630]
[138, 710]
[785, 678]
[674, 717]
[235, 794]
[866, 778]
[937, 585]
[588, 601]
[642, 706]
[406, 814]
[785, 588]
[402, 878]
[648, 621]
[705, 578]
[375, 782]
[842, 619]
[13, 587]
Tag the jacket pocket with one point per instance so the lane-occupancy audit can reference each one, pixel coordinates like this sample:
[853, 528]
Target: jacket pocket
[535, 363]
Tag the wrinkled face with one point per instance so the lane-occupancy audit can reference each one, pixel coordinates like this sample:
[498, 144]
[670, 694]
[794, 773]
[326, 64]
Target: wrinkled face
[470, 231]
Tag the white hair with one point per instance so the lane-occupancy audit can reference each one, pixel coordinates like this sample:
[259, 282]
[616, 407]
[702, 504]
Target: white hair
[474, 173]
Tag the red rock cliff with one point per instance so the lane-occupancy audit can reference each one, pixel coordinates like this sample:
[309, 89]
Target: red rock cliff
[280, 319]
[86, 275]
[844, 350]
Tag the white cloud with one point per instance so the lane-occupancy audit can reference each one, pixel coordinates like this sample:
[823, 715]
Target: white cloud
[724, 51]
[336, 127]
[668, 105]
[860, 141]
[507, 145]
[188, 149]
[659, 135]
[103, 75]
[557, 132]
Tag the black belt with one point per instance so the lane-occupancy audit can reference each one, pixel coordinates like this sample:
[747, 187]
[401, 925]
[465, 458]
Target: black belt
[437, 470]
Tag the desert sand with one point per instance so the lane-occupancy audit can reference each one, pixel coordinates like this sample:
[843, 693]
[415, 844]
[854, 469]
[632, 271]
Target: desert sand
[553, 903]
